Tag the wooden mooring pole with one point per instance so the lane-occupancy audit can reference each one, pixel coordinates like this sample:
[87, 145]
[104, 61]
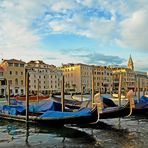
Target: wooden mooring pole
[8, 91]
[138, 88]
[38, 92]
[135, 87]
[119, 88]
[92, 95]
[62, 93]
[27, 93]
[81, 89]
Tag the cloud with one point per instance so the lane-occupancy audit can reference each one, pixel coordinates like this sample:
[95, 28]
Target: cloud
[141, 64]
[25, 24]
[84, 55]
[97, 58]
[134, 32]
[63, 5]
[15, 32]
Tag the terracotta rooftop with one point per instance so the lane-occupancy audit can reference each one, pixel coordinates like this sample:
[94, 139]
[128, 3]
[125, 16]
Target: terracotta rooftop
[36, 62]
[14, 61]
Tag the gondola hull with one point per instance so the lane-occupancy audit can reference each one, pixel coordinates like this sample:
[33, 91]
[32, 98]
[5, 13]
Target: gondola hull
[115, 112]
[140, 109]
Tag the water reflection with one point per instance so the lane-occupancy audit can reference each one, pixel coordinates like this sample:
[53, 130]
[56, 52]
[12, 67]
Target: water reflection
[25, 135]
[124, 132]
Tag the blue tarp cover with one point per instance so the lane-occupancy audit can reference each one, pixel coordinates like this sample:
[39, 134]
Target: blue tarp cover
[59, 114]
[13, 110]
[144, 99]
[44, 106]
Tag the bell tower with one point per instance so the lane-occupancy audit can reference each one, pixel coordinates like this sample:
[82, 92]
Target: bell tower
[130, 64]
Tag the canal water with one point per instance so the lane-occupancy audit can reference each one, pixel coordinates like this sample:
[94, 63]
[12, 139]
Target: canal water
[131, 132]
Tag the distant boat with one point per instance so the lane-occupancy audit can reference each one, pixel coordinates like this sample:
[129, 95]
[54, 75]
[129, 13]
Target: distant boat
[32, 98]
[114, 95]
[70, 103]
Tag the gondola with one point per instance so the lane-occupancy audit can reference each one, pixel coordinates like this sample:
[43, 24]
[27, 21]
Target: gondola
[141, 106]
[32, 98]
[49, 117]
[72, 104]
[108, 109]
[115, 111]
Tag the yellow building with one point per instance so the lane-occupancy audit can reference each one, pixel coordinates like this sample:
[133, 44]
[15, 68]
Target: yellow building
[78, 77]
[141, 81]
[2, 83]
[103, 79]
[129, 77]
[14, 73]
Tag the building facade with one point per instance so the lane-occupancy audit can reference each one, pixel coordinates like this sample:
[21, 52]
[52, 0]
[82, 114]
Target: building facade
[43, 78]
[103, 79]
[3, 85]
[14, 74]
[78, 77]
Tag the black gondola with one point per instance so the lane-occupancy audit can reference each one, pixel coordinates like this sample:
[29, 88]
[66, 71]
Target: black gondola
[84, 115]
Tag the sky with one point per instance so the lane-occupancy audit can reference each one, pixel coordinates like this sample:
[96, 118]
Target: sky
[100, 32]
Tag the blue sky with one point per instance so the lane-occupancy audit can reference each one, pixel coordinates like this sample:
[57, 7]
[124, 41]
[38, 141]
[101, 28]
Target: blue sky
[101, 32]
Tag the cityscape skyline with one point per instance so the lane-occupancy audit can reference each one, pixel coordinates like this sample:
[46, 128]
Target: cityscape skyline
[89, 31]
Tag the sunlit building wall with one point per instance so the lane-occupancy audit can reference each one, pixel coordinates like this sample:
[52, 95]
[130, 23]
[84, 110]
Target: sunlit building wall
[103, 79]
[2, 83]
[14, 73]
[78, 77]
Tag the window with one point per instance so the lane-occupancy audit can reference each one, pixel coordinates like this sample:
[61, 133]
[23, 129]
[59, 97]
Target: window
[1, 74]
[16, 81]
[11, 64]
[10, 72]
[21, 82]
[21, 73]
[16, 65]
[3, 82]
[22, 91]
[16, 73]
[16, 91]
[21, 65]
